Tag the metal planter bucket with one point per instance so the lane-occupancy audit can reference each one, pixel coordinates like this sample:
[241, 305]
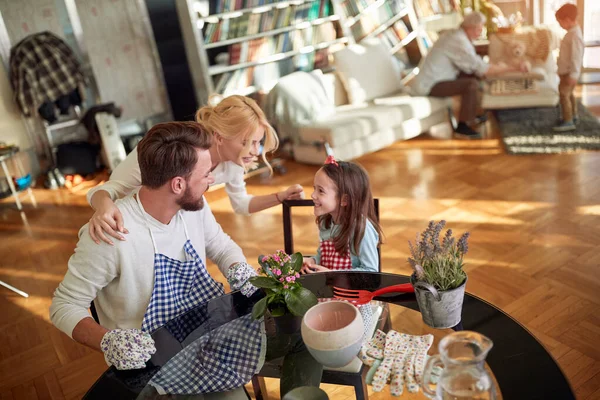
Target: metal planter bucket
[440, 309]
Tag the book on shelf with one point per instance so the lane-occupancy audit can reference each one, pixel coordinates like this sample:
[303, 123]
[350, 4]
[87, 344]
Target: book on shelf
[371, 21]
[428, 8]
[264, 43]
[247, 80]
[356, 8]
[394, 36]
[423, 8]
[251, 23]
[400, 29]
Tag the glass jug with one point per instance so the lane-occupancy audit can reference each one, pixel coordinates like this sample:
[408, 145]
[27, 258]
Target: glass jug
[462, 357]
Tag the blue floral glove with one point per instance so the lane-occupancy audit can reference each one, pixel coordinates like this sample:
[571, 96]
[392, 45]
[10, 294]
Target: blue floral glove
[238, 275]
[127, 348]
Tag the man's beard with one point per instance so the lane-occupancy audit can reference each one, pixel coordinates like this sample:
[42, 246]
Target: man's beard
[189, 203]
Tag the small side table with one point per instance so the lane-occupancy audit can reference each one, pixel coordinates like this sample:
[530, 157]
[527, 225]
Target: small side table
[5, 155]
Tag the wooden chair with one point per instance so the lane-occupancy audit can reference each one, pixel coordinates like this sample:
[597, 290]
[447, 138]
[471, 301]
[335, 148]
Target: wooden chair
[351, 375]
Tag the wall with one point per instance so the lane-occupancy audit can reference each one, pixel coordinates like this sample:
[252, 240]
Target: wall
[12, 129]
[121, 53]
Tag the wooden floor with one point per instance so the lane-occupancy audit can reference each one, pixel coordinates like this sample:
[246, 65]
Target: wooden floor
[534, 250]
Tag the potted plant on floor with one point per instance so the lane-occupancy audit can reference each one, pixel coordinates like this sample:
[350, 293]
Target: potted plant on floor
[438, 277]
[286, 300]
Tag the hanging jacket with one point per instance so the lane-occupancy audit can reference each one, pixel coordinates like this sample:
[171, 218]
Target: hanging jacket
[42, 69]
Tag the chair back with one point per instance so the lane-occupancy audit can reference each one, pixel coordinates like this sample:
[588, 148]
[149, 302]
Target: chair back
[288, 236]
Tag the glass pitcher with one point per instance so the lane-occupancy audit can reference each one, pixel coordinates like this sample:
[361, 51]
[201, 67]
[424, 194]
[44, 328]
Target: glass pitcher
[462, 357]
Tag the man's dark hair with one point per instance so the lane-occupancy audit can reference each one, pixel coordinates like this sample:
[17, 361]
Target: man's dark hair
[169, 150]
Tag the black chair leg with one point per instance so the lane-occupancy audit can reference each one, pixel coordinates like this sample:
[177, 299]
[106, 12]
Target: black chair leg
[259, 388]
[360, 388]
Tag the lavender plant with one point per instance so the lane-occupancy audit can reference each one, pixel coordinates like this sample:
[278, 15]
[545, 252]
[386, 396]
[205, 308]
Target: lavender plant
[439, 263]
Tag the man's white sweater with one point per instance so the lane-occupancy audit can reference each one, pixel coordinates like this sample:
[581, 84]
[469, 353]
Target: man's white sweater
[120, 278]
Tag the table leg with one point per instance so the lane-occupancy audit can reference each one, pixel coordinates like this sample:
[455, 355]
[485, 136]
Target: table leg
[14, 289]
[19, 165]
[11, 184]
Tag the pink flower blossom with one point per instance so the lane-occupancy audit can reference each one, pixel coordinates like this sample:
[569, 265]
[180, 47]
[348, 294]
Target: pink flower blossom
[276, 258]
[286, 287]
[277, 272]
[288, 279]
[265, 258]
[297, 275]
[292, 278]
[281, 279]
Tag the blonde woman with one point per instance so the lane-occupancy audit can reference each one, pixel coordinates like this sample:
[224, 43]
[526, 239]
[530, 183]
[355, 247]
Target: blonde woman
[238, 126]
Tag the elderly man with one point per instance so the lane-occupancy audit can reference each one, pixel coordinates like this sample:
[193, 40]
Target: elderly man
[449, 67]
[159, 273]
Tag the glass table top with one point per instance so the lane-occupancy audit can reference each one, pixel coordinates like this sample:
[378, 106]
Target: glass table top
[519, 364]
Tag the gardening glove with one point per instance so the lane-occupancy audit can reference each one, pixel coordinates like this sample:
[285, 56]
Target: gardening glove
[409, 363]
[127, 348]
[371, 352]
[393, 341]
[238, 275]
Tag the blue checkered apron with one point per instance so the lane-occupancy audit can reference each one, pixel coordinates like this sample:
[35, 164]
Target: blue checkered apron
[225, 358]
[178, 285]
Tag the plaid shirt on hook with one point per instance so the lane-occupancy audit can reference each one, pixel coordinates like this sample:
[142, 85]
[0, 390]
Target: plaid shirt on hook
[43, 68]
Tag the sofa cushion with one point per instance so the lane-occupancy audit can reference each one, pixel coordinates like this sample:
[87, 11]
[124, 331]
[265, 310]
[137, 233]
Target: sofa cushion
[414, 106]
[335, 88]
[356, 122]
[367, 71]
[298, 99]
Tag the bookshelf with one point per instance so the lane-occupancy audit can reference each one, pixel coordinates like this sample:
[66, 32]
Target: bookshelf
[438, 15]
[393, 22]
[245, 46]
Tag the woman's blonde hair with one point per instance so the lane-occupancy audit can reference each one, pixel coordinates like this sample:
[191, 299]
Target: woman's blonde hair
[238, 116]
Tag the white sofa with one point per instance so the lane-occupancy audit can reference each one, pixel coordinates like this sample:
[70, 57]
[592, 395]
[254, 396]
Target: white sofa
[360, 108]
[537, 40]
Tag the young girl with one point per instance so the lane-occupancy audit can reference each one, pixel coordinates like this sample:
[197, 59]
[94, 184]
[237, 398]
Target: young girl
[348, 229]
[238, 127]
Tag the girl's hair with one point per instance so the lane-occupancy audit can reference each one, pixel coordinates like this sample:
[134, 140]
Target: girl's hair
[237, 117]
[352, 181]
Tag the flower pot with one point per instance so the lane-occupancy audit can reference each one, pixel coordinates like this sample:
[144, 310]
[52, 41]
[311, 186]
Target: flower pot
[439, 309]
[288, 323]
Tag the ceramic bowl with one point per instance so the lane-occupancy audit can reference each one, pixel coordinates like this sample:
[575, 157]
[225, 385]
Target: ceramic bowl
[333, 332]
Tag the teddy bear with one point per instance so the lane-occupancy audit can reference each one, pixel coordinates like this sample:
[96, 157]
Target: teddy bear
[516, 56]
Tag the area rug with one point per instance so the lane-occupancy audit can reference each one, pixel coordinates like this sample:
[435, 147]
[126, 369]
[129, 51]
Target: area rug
[529, 131]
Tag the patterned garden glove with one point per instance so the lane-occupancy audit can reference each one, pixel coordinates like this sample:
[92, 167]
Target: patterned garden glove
[409, 363]
[398, 357]
[238, 275]
[393, 341]
[371, 352]
[127, 348]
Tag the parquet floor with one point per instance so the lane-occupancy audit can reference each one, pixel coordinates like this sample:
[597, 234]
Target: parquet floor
[534, 250]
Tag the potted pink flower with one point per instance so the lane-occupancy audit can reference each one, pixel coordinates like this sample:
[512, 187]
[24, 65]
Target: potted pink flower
[286, 300]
